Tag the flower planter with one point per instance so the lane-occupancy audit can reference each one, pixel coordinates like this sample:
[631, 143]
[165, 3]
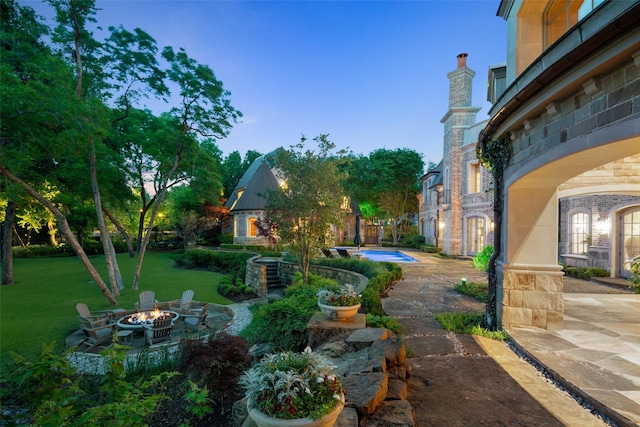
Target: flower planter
[264, 420]
[338, 312]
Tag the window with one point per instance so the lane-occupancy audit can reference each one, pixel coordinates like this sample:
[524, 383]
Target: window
[253, 229]
[473, 178]
[579, 230]
[560, 15]
[427, 190]
[475, 234]
[447, 186]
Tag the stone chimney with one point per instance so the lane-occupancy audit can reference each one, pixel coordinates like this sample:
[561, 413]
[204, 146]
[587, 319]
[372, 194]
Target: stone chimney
[462, 60]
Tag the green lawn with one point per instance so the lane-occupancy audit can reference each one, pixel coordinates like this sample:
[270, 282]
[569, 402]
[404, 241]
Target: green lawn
[40, 306]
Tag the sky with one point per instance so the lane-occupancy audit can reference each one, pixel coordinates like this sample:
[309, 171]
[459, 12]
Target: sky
[371, 74]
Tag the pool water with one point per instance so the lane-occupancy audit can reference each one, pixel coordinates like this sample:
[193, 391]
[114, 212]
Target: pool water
[390, 256]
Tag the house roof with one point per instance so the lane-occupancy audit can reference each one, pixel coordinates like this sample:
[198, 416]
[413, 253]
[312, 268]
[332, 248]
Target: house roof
[255, 181]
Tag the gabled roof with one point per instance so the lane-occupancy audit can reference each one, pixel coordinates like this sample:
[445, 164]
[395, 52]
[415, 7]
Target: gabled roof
[256, 180]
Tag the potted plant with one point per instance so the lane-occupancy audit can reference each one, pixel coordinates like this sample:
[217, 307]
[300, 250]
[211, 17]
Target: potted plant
[293, 389]
[339, 302]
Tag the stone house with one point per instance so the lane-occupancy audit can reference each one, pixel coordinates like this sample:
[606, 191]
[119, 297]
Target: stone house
[569, 117]
[456, 201]
[247, 203]
[596, 224]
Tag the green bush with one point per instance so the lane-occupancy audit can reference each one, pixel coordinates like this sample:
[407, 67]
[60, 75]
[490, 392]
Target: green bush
[586, 273]
[413, 241]
[481, 260]
[228, 287]
[226, 238]
[56, 395]
[233, 263]
[283, 323]
[91, 247]
[430, 249]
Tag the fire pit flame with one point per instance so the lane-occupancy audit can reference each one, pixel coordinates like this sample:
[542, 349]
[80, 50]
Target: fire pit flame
[145, 317]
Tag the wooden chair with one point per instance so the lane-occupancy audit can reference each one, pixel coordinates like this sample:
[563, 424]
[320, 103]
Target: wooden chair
[343, 253]
[159, 330]
[86, 316]
[196, 320]
[146, 301]
[327, 253]
[183, 305]
[98, 333]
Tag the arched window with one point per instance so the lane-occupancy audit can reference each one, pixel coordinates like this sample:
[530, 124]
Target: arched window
[579, 232]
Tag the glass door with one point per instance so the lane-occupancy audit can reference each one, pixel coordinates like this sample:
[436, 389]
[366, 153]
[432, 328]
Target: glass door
[629, 241]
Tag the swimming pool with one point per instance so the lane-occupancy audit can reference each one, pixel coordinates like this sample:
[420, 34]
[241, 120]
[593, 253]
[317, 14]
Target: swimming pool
[389, 256]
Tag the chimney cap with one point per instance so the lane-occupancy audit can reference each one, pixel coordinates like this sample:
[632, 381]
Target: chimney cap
[462, 60]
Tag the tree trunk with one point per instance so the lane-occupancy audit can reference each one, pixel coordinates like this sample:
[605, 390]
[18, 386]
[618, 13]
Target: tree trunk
[7, 239]
[122, 231]
[159, 197]
[107, 247]
[66, 230]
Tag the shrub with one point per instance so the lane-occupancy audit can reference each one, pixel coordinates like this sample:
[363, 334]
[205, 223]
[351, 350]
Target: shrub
[284, 322]
[481, 260]
[586, 273]
[55, 394]
[228, 287]
[430, 249]
[216, 363]
[233, 263]
[413, 241]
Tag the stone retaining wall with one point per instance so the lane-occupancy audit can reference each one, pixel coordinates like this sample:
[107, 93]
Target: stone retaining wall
[256, 275]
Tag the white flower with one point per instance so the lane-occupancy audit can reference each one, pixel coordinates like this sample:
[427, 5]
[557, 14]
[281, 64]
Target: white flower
[320, 380]
[331, 377]
[337, 397]
[308, 350]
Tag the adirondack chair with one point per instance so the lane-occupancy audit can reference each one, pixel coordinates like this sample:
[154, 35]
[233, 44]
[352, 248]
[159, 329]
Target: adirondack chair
[196, 321]
[147, 301]
[98, 333]
[86, 316]
[159, 330]
[183, 304]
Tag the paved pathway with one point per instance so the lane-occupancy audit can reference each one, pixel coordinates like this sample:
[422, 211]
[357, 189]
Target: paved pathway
[461, 380]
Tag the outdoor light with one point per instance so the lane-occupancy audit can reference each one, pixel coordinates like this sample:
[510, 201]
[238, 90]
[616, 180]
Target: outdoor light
[464, 281]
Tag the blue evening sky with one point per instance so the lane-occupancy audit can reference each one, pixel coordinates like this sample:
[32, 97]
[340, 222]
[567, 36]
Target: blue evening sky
[371, 74]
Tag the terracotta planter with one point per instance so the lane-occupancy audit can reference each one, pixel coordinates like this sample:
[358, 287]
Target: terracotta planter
[264, 420]
[339, 313]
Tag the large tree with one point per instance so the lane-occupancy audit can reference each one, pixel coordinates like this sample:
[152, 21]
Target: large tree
[311, 199]
[388, 180]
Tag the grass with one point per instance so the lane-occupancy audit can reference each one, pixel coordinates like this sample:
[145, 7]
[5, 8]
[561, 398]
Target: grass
[40, 307]
[468, 323]
[478, 291]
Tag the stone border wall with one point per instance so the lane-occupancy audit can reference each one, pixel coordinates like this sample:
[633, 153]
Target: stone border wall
[256, 275]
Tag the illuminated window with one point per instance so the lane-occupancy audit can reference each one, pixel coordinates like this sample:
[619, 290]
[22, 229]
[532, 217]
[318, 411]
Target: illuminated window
[253, 229]
[475, 234]
[560, 15]
[579, 233]
[473, 178]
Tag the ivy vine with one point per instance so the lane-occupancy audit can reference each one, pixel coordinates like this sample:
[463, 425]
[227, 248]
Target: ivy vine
[494, 155]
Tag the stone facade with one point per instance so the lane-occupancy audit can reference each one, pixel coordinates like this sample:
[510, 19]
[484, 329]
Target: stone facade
[572, 117]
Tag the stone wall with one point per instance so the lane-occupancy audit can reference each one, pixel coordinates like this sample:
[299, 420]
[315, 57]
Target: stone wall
[256, 275]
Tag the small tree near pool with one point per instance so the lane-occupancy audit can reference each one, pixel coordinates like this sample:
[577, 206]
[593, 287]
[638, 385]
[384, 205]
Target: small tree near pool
[310, 200]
